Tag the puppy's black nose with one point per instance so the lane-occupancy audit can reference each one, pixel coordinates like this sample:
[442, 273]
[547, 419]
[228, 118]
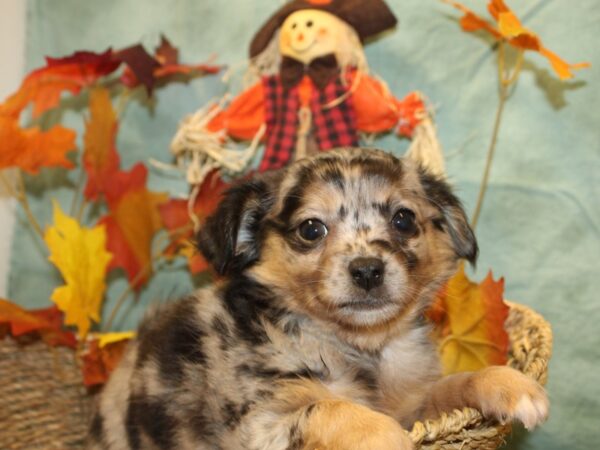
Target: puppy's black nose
[367, 272]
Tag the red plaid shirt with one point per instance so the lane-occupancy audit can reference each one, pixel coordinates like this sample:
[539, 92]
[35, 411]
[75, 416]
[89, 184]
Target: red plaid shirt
[332, 126]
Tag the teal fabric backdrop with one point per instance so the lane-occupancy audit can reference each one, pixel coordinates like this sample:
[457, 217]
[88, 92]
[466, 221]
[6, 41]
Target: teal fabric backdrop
[540, 226]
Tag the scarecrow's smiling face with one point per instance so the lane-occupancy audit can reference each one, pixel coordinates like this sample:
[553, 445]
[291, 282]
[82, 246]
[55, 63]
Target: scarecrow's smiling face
[309, 34]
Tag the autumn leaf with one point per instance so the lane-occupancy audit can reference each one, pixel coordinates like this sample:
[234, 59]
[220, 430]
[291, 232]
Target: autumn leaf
[30, 149]
[100, 360]
[20, 321]
[196, 262]
[469, 320]
[147, 70]
[140, 67]
[46, 322]
[168, 57]
[44, 86]
[100, 157]
[132, 222]
[175, 216]
[510, 29]
[105, 339]
[81, 257]
[55, 334]
[411, 110]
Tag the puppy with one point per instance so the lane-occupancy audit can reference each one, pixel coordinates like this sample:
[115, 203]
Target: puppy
[314, 339]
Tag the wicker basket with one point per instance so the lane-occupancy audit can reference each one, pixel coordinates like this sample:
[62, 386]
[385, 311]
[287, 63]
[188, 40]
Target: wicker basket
[43, 403]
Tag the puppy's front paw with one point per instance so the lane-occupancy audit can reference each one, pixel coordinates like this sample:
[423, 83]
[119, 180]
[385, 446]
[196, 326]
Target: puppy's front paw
[341, 425]
[506, 394]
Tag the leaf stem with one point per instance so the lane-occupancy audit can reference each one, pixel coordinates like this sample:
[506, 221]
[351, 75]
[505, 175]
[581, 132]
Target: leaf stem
[8, 185]
[516, 71]
[505, 81]
[130, 287]
[172, 236]
[18, 192]
[124, 98]
[25, 203]
[78, 188]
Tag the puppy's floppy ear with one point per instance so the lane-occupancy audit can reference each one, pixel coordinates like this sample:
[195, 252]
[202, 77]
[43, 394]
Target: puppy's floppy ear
[440, 194]
[229, 239]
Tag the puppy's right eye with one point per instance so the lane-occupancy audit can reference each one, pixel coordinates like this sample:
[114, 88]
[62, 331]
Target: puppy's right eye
[312, 229]
[404, 221]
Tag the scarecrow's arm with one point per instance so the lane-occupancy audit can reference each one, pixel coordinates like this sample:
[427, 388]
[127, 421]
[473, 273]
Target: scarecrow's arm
[202, 142]
[377, 110]
[245, 115]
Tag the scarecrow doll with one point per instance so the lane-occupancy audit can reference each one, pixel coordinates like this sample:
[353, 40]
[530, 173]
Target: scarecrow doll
[310, 91]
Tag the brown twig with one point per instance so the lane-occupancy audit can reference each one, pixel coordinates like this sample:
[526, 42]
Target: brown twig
[505, 81]
[172, 236]
[78, 189]
[124, 98]
[8, 186]
[78, 212]
[18, 192]
[130, 288]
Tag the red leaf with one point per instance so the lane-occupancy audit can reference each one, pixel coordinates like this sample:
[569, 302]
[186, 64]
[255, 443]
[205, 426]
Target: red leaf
[164, 64]
[47, 322]
[177, 221]
[165, 53]
[132, 221]
[141, 67]
[55, 335]
[197, 263]
[124, 182]
[44, 86]
[98, 362]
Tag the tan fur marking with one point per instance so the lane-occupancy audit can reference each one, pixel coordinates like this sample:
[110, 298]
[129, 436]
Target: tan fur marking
[341, 425]
[499, 392]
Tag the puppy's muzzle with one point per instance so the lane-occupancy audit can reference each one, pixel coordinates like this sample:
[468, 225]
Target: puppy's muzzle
[367, 273]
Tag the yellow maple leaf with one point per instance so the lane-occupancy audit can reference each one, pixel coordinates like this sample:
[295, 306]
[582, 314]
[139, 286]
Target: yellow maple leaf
[81, 257]
[105, 339]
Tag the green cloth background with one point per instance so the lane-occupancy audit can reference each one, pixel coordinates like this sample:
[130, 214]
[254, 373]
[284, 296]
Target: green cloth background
[540, 226]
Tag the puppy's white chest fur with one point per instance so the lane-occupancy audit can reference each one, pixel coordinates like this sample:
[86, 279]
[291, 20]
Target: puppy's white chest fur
[393, 380]
[409, 365]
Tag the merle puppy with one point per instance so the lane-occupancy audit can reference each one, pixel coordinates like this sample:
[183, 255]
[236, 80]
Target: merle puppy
[314, 339]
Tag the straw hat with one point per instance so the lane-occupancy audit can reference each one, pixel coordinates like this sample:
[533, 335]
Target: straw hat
[367, 17]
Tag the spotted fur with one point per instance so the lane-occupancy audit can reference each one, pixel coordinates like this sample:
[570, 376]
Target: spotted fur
[295, 350]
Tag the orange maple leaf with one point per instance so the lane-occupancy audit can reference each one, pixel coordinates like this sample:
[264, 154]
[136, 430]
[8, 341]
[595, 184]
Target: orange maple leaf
[508, 28]
[31, 149]
[175, 215]
[44, 86]
[100, 157]
[469, 320]
[46, 322]
[132, 222]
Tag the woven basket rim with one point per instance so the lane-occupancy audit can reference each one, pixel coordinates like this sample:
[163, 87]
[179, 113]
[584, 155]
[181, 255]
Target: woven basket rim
[471, 420]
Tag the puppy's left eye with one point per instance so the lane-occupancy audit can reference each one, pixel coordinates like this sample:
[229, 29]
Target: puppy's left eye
[404, 221]
[312, 229]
